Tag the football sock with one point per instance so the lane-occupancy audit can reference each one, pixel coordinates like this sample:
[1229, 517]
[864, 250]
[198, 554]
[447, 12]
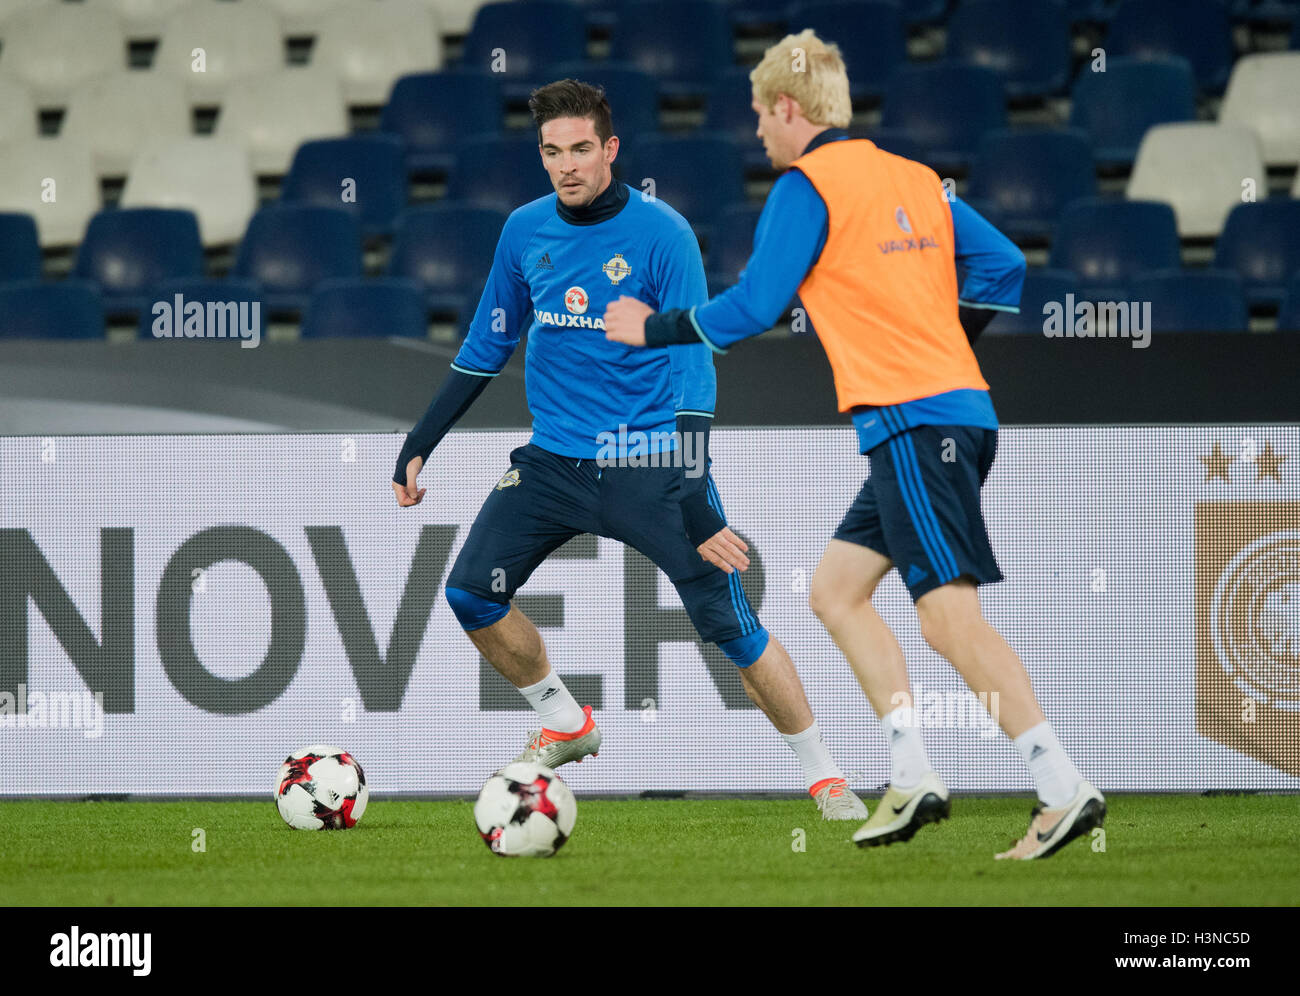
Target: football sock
[1054, 774]
[559, 711]
[908, 762]
[813, 756]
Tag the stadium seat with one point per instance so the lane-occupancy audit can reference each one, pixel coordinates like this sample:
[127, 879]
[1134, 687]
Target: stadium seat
[1288, 316]
[869, 33]
[521, 42]
[1198, 30]
[675, 164]
[945, 107]
[731, 245]
[369, 54]
[116, 114]
[1199, 168]
[1264, 95]
[376, 308]
[1090, 11]
[1118, 106]
[204, 291]
[430, 112]
[238, 40]
[1027, 177]
[755, 14]
[918, 12]
[1027, 42]
[731, 116]
[683, 44]
[70, 309]
[303, 17]
[895, 140]
[454, 16]
[290, 248]
[1192, 300]
[370, 167]
[633, 95]
[273, 114]
[52, 180]
[127, 251]
[1107, 243]
[1261, 243]
[55, 46]
[20, 249]
[18, 121]
[144, 19]
[211, 177]
[498, 172]
[1041, 287]
[448, 249]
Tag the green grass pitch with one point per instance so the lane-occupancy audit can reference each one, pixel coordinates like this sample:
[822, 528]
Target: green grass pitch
[1159, 850]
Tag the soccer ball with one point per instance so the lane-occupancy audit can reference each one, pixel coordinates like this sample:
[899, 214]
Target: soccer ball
[525, 811]
[321, 788]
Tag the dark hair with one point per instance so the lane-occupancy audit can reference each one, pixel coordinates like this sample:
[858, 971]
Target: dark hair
[571, 99]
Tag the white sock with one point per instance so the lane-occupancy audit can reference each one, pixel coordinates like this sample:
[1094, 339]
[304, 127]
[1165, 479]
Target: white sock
[813, 755]
[908, 763]
[1054, 774]
[559, 711]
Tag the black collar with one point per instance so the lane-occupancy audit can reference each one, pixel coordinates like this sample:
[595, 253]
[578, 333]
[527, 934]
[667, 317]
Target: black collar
[822, 137]
[608, 203]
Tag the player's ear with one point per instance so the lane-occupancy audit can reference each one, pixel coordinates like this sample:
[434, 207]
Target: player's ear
[611, 149]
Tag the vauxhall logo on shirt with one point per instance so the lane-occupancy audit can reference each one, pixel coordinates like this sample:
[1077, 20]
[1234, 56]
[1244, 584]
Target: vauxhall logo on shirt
[576, 302]
[905, 245]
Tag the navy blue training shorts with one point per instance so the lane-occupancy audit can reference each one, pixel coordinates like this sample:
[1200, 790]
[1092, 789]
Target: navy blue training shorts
[920, 506]
[545, 499]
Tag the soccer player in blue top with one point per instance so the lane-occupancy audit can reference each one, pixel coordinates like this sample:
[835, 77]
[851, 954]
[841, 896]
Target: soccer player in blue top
[559, 262]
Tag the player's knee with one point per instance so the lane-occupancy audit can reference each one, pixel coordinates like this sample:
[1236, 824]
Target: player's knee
[946, 618]
[830, 601]
[744, 650]
[474, 611]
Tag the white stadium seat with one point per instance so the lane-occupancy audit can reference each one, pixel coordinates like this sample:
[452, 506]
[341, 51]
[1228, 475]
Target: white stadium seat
[54, 47]
[54, 181]
[10, 7]
[115, 115]
[17, 111]
[210, 176]
[273, 114]
[303, 17]
[455, 16]
[1199, 170]
[143, 18]
[368, 54]
[238, 40]
[1264, 95]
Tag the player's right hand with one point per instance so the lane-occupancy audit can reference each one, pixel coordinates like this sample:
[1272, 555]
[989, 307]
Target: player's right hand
[725, 550]
[409, 494]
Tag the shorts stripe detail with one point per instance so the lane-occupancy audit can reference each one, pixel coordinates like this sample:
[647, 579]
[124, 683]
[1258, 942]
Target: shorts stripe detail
[946, 563]
[739, 603]
[909, 502]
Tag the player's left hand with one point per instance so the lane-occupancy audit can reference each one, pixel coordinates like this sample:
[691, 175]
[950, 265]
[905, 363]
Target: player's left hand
[625, 321]
[725, 550]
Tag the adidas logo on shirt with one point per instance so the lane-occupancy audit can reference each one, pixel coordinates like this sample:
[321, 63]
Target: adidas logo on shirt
[544, 262]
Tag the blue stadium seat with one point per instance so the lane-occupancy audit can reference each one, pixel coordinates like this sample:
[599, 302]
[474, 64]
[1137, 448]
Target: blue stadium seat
[1288, 316]
[1027, 42]
[1261, 243]
[205, 291]
[129, 250]
[675, 164]
[532, 37]
[1198, 30]
[870, 35]
[373, 162]
[377, 308]
[1041, 286]
[731, 246]
[1108, 243]
[447, 248]
[684, 44]
[70, 309]
[290, 248]
[1118, 106]
[757, 13]
[1027, 177]
[897, 141]
[731, 116]
[1090, 11]
[1192, 300]
[916, 12]
[947, 108]
[20, 249]
[498, 172]
[632, 94]
[1295, 34]
[430, 112]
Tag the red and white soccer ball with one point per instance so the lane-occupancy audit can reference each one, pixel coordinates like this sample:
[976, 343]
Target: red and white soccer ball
[525, 811]
[321, 788]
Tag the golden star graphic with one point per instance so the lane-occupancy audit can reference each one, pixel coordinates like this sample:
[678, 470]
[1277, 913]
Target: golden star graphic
[1269, 463]
[1216, 464]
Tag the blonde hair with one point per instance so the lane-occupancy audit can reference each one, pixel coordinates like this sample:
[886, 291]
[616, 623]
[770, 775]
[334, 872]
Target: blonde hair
[811, 71]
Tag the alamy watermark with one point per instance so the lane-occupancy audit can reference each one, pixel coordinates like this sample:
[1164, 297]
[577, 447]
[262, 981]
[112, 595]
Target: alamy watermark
[26, 709]
[637, 448]
[182, 319]
[951, 710]
[1098, 320]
